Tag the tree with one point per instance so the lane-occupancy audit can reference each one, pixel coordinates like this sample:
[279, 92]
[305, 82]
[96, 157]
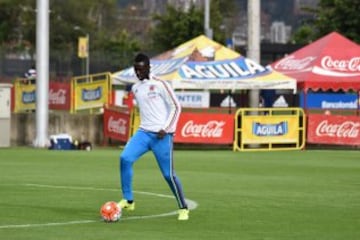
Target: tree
[339, 15]
[333, 15]
[68, 21]
[176, 26]
[16, 23]
[120, 49]
[303, 35]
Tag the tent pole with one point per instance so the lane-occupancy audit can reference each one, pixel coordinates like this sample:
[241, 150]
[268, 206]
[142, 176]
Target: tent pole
[230, 97]
[358, 108]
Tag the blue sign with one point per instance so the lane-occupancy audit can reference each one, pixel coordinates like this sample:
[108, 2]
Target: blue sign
[28, 97]
[264, 130]
[329, 101]
[240, 68]
[91, 95]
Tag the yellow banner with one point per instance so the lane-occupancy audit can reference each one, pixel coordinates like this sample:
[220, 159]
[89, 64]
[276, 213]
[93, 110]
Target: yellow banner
[90, 95]
[25, 97]
[83, 47]
[270, 129]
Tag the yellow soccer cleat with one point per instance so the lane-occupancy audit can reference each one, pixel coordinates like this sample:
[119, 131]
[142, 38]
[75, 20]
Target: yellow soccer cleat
[183, 214]
[124, 204]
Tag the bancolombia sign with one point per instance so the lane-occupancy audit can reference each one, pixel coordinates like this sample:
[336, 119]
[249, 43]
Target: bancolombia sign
[328, 129]
[209, 128]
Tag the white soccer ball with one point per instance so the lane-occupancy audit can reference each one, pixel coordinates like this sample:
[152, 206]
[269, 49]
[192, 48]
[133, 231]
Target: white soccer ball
[110, 211]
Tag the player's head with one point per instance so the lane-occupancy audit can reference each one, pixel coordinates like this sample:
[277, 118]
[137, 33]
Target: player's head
[142, 66]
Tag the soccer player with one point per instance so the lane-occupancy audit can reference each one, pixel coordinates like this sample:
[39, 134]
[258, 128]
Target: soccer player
[159, 114]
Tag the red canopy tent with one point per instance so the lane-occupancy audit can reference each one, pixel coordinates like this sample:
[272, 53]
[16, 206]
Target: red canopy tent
[330, 63]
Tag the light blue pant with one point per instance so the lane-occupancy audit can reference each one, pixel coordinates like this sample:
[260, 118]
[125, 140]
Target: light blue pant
[139, 144]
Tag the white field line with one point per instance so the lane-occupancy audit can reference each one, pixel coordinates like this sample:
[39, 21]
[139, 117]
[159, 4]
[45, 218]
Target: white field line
[191, 204]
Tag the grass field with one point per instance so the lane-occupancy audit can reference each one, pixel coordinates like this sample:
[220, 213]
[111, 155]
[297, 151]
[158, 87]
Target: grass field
[313, 194]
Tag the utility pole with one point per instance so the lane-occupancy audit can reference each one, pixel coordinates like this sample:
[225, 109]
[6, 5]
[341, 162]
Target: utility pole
[42, 68]
[253, 43]
[207, 29]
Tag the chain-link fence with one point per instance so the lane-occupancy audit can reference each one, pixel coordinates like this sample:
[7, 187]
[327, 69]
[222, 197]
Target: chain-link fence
[62, 65]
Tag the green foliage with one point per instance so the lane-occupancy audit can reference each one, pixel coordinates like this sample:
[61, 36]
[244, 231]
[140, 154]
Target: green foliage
[304, 35]
[16, 22]
[176, 26]
[68, 21]
[120, 49]
[332, 15]
[341, 16]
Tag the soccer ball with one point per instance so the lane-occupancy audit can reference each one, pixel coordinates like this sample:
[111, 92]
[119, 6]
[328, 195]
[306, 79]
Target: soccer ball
[110, 212]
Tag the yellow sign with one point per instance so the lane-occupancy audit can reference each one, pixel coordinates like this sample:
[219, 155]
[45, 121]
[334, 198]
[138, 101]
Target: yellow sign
[25, 97]
[83, 47]
[270, 129]
[90, 95]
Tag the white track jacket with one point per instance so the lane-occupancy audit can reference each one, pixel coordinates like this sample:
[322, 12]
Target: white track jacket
[158, 105]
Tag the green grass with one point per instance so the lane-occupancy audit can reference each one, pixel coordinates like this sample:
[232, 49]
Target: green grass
[312, 194]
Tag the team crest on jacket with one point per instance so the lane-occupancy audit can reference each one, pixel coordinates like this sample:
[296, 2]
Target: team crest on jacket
[152, 93]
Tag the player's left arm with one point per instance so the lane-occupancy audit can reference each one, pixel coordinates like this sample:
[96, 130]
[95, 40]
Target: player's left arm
[174, 108]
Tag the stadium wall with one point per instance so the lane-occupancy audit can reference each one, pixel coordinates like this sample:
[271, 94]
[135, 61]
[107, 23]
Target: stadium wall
[82, 127]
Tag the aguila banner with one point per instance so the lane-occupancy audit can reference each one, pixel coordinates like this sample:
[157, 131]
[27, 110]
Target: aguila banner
[270, 129]
[25, 96]
[333, 129]
[208, 128]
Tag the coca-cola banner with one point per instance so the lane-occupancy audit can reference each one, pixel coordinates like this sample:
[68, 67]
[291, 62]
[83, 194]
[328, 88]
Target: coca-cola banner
[208, 128]
[116, 124]
[333, 129]
[59, 96]
[270, 129]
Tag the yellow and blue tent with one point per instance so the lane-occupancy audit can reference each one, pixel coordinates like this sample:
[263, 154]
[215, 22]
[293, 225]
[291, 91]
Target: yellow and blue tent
[202, 63]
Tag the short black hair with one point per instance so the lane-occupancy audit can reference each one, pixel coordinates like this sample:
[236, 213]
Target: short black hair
[141, 57]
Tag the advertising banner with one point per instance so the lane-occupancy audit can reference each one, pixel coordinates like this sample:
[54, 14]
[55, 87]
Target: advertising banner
[333, 129]
[209, 128]
[83, 47]
[199, 99]
[90, 95]
[116, 125]
[329, 100]
[270, 129]
[25, 97]
[59, 96]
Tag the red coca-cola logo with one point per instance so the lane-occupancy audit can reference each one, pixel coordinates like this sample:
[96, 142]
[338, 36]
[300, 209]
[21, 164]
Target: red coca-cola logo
[117, 126]
[347, 129]
[348, 65]
[211, 129]
[290, 63]
[58, 97]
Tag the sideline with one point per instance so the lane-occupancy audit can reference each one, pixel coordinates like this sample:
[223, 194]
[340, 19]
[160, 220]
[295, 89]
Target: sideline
[191, 204]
